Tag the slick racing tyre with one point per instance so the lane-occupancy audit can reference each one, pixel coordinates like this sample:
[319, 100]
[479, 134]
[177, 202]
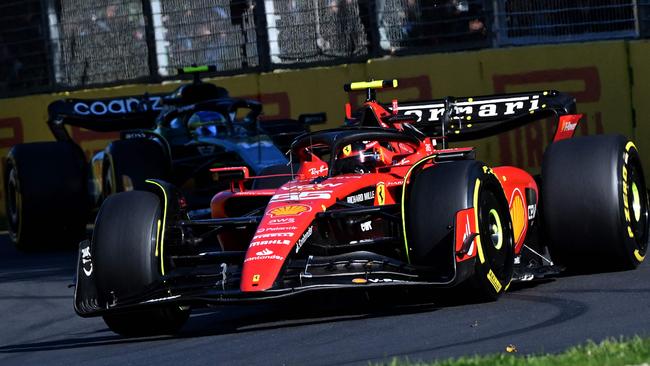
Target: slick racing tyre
[128, 163]
[595, 203]
[437, 194]
[46, 201]
[127, 253]
[156, 321]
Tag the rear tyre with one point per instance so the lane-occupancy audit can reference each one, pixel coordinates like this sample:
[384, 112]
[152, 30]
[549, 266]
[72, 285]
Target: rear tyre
[130, 222]
[46, 191]
[437, 194]
[128, 163]
[595, 203]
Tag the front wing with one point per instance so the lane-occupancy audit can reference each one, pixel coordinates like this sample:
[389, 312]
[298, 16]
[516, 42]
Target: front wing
[207, 284]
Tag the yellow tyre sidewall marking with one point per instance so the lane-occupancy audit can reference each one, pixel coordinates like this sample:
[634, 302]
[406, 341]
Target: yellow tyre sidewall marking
[479, 248]
[157, 237]
[161, 234]
[406, 177]
[630, 145]
[638, 256]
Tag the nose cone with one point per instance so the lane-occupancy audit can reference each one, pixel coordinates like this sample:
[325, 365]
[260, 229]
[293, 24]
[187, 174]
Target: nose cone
[288, 217]
[282, 226]
[261, 268]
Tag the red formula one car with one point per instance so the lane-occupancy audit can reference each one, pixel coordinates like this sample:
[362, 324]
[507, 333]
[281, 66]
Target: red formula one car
[383, 202]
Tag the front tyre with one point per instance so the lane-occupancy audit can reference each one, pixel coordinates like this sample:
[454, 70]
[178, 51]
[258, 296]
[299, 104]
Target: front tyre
[494, 264]
[127, 250]
[157, 321]
[437, 194]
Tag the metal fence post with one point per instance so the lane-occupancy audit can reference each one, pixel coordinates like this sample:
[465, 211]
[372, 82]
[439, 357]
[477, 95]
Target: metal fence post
[49, 44]
[263, 50]
[372, 24]
[491, 9]
[499, 26]
[150, 38]
[643, 18]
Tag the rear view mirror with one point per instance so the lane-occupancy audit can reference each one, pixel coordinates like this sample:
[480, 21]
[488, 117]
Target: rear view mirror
[233, 175]
[309, 119]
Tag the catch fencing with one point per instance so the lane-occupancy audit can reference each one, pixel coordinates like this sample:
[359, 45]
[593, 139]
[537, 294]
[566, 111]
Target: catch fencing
[52, 45]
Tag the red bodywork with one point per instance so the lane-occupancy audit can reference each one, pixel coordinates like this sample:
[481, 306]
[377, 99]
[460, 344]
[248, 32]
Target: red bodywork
[288, 219]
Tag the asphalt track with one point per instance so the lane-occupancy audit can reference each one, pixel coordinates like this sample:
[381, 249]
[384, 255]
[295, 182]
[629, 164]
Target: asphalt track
[39, 327]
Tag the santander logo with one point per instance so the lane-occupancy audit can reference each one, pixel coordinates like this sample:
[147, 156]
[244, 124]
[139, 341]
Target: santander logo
[266, 251]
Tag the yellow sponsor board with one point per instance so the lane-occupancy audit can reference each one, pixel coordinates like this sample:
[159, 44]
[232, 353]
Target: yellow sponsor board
[597, 74]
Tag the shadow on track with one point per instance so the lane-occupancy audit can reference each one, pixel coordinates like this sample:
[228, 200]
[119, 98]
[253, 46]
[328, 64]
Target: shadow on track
[304, 310]
[568, 310]
[42, 265]
[309, 309]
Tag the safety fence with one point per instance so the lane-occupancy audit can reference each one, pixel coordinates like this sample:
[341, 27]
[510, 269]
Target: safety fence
[52, 45]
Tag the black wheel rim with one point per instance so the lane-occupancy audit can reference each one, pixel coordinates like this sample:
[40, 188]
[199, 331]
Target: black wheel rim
[637, 199]
[496, 234]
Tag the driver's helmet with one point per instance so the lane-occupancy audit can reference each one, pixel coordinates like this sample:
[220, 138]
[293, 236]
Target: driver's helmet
[206, 123]
[359, 157]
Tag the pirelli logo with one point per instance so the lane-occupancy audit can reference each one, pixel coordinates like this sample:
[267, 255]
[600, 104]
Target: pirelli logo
[494, 281]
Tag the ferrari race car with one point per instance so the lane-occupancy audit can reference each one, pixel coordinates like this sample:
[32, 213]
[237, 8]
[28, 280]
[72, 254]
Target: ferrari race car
[175, 137]
[384, 202]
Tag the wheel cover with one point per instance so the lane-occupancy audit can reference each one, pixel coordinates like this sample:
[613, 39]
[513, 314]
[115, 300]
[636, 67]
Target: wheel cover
[496, 230]
[637, 197]
[636, 202]
[493, 231]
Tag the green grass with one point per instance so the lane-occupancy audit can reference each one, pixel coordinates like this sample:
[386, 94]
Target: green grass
[624, 352]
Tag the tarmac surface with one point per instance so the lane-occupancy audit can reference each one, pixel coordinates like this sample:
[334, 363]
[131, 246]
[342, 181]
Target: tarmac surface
[38, 325]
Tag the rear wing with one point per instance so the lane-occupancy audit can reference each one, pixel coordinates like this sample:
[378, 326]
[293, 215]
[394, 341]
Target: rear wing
[465, 118]
[469, 118]
[104, 115]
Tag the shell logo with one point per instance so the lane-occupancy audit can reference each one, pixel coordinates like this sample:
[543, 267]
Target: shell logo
[289, 210]
[519, 216]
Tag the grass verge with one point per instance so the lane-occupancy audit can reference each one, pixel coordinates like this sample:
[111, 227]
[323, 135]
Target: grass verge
[612, 352]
